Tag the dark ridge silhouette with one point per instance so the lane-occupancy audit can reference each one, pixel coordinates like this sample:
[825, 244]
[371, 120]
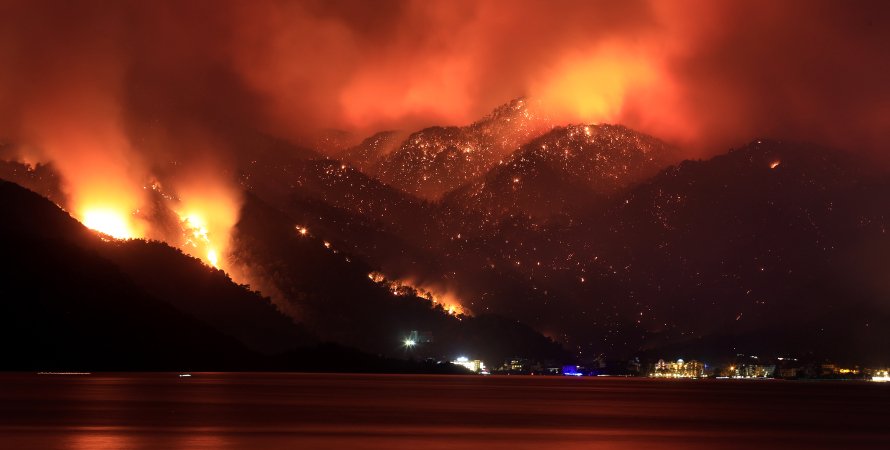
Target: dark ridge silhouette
[40, 178]
[368, 154]
[774, 247]
[72, 302]
[169, 275]
[433, 161]
[775, 239]
[65, 307]
[566, 171]
[207, 294]
[617, 264]
[330, 292]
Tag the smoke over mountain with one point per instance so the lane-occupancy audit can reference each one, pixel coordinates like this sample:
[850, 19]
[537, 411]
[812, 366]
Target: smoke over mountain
[119, 95]
[673, 69]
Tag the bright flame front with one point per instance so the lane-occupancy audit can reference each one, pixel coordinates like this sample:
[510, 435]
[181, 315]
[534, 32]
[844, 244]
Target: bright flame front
[108, 221]
[197, 239]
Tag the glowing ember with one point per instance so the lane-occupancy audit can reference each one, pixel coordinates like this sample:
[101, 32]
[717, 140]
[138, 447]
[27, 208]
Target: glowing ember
[774, 164]
[110, 222]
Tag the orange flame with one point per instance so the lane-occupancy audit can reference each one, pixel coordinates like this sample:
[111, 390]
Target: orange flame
[208, 211]
[448, 302]
[110, 222]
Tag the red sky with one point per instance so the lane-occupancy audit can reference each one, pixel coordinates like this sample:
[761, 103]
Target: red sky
[88, 76]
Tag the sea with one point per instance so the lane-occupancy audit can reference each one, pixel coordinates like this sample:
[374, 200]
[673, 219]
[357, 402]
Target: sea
[427, 412]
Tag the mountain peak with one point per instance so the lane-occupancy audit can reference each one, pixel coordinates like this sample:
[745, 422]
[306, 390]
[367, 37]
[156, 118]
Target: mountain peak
[436, 160]
[566, 169]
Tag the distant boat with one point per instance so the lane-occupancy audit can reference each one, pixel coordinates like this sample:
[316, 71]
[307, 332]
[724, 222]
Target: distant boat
[182, 375]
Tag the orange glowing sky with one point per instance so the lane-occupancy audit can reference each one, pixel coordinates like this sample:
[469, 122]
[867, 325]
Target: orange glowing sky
[702, 73]
[115, 93]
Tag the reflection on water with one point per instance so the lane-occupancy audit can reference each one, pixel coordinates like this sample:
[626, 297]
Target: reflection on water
[97, 440]
[318, 411]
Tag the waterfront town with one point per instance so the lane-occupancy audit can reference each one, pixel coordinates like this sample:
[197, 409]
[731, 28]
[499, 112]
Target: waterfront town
[737, 367]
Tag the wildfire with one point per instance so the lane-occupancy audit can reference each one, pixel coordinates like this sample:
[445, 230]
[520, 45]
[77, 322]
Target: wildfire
[110, 222]
[213, 258]
[208, 209]
[204, 218]
[402, 288]
[197, 237]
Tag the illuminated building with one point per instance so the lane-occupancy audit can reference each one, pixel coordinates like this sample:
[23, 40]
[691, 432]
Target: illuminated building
[751, 366]
[881, 376]
[678, 369]
[523, 366]
[517, 365]
[754, 371]
[472, 365]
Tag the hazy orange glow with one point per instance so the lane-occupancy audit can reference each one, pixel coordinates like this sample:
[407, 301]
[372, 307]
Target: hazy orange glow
[593, 87]
[434, 89]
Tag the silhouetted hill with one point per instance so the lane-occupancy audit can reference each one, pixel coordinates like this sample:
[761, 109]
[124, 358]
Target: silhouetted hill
[182, 281]
[73, 301]
[65, 307]
[772, 248]
[589, 249]
[766, 248]
[367, 154]
[436, 160]
[330, 292]
[356, 213]
[773, 239]
[566, 171]
[207, 294]
[41, 178]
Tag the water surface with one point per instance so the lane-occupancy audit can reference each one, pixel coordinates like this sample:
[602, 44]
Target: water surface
[334, 411]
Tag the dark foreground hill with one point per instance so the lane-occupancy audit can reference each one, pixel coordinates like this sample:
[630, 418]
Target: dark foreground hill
[331, 293]
[66, 306]
[772, 248]
[73, 301]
